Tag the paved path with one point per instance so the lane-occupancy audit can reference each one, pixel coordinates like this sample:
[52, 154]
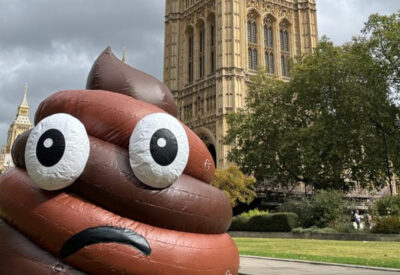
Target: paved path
[261, 266]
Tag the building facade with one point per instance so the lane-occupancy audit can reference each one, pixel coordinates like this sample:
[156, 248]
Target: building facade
[212, 47]
[20, 124]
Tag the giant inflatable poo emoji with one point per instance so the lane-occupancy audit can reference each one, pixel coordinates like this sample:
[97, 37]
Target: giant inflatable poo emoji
[110, 182]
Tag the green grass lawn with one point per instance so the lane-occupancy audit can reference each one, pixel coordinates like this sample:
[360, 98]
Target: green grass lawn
[381, 254]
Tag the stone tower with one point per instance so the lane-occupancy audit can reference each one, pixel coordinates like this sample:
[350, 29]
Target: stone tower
[212, 47]
[20, 124]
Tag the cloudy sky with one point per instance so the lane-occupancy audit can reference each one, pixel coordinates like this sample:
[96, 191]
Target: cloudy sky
[51, 45]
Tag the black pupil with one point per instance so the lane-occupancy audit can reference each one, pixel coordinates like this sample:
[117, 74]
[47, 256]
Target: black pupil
[163, 147]
[50, 148]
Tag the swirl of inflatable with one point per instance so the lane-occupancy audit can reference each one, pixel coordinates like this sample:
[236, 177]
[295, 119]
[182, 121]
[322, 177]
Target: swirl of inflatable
[110, 182]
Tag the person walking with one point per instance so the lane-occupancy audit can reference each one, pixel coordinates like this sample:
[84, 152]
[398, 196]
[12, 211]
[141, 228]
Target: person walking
[357, 219]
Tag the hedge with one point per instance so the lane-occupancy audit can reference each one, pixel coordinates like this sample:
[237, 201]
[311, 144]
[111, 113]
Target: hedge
[387, 225]
[277, 222]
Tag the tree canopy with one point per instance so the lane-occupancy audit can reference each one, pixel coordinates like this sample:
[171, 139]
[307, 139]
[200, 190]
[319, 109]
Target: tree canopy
[382, 35]
[331, 125]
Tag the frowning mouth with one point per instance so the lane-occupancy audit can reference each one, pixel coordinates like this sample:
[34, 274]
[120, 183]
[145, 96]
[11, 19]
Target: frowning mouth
[105, 234]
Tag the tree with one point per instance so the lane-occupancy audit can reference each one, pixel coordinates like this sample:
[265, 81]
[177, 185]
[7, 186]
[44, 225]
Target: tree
[236, 186]
[382, 34]
[326, 127]
[323, 208]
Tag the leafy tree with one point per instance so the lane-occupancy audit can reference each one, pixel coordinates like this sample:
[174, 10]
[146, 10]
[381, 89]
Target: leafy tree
[237, 186]
[322, 209]
[382, 34]
[327, 127]
[387, 206]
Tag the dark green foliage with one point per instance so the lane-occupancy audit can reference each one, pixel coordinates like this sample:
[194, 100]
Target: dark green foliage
[322, 209]
[239, 224]
[387, 206]
[382, 34]
[314, 229]
[277, 222]
[387, 225]
[301, 206]
[328, 125]
[343, 224]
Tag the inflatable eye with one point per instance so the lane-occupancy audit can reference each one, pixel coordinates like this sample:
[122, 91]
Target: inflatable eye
[158, 150]
[57, 151]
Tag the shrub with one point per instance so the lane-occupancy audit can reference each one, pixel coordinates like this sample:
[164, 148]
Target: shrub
[237, 186]
[277, 222]
[239, 224]
[314, 229]
[323, 208]
[387, 225]
[343, 224]
[300, 206]
[253, 212]
[387, 206]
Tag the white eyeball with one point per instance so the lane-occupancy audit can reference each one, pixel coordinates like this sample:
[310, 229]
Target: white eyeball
[158, 150]
[57, 151]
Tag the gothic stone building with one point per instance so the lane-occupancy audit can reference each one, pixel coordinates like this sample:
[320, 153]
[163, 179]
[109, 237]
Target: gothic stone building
[20, 124]
[212, 47]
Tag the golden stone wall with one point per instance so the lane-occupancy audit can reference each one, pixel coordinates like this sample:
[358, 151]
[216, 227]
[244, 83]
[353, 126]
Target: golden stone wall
[20, 124]
[206, 61]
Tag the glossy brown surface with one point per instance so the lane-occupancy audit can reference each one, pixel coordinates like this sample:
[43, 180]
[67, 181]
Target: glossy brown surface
[18, 149]
[51, 218]
[112, 117]
[187, 205]
[111, 74]
[18, 255]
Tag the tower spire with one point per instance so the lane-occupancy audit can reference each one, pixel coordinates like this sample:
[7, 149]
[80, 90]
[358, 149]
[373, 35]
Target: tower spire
[124, 55]
[24, 102]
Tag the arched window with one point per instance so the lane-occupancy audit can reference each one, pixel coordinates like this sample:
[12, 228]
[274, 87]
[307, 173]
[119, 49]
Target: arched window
[285, 49]
[212, 40]
[202, 39]
[269, 45]
[190, 44]
[252, 41]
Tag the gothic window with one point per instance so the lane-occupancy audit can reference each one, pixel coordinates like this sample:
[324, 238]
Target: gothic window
[252, 41]
[250, 55]
[269, 45]
[201, 50]
[285, 49]
[190, 55]
[255, 59]
[269, 62]
[211, 104]
[268, 33]
[212, 46]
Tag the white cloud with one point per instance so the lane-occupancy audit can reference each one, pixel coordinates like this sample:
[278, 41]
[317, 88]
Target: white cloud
[51, 45]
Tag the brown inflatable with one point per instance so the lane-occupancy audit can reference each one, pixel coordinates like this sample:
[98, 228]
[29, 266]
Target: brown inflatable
[102, 214]
[112, 117]
[62, 217]
[20, 256]
[111, 74]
